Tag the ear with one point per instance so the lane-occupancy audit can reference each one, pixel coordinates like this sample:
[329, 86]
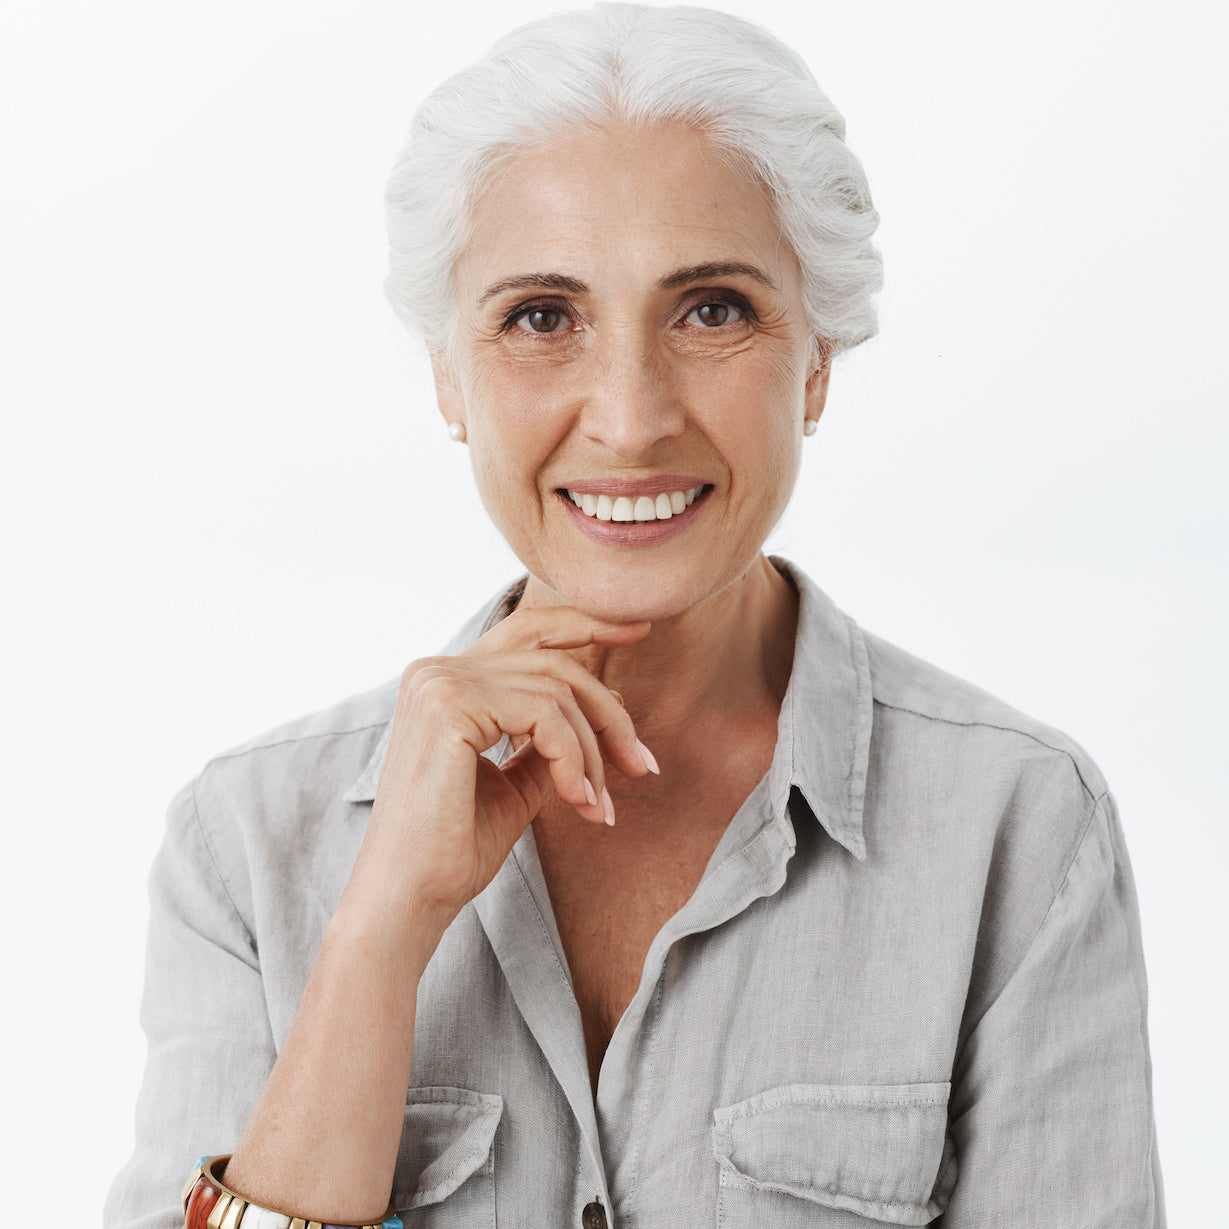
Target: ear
[447, 394]
[817, 384]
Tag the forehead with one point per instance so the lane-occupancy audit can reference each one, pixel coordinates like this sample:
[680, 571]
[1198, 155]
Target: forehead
[624, 203]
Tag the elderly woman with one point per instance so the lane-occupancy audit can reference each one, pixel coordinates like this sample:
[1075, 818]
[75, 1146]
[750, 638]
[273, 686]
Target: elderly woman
[665, 894]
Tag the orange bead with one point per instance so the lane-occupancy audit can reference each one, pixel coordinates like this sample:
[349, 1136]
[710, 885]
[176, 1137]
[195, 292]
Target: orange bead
[200, 1203]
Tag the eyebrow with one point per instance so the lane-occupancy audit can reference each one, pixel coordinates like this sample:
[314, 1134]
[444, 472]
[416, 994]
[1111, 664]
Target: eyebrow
[714, 272]
[535, 281]
[672, 281]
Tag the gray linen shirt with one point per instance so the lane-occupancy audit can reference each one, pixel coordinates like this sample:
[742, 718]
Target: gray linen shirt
[909, 987]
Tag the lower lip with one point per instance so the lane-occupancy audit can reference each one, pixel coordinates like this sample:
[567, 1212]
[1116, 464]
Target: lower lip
[634, 533]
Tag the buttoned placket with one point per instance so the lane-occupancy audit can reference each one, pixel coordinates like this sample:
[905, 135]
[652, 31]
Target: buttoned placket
[749, 863]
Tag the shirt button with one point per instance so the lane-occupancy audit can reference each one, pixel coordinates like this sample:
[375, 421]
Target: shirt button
[593, 1217]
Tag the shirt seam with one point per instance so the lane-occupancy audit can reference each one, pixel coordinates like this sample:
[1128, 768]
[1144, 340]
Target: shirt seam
[807, 1100]
[516, 589]
[240, 752]
[860, 682]
[1005, 729]
[217, 870]
[659, 992]
[1076, 848]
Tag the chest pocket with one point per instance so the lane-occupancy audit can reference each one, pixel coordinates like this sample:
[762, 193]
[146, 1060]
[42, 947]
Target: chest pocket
[445, 1172]
[835, 1155]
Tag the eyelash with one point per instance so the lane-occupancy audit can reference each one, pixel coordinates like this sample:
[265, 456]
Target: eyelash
[521, 310]
[729, 299]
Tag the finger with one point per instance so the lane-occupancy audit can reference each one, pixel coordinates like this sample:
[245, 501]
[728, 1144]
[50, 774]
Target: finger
[478, 709]
[530, 775]
[481, 702]
[558, 732]
[531, 673]
[602, 709]
[555, 627]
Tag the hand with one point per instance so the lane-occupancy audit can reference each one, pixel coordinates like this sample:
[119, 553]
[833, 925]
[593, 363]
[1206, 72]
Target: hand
[445, 818]
[443, 822]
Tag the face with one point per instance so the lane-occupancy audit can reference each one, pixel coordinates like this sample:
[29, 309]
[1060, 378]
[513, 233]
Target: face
[633, 369]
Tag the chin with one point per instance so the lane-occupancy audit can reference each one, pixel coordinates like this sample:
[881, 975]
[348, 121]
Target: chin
[630, 608]
[628, 598]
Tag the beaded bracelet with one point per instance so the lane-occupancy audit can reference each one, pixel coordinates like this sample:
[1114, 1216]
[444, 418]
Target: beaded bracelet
[208, 1204]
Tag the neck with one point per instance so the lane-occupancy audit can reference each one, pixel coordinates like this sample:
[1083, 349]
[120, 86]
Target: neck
[725, 659]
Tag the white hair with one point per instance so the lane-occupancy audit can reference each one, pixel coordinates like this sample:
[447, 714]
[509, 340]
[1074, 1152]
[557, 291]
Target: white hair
[637, 65]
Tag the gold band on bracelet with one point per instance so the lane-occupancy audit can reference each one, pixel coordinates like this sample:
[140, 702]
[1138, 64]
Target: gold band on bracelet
[226, 1208]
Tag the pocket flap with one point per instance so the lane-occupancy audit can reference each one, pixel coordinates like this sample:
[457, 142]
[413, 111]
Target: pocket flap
[880, 1150]
[447, 1137]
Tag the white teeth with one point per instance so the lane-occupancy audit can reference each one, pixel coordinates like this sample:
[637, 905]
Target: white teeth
[643, 508]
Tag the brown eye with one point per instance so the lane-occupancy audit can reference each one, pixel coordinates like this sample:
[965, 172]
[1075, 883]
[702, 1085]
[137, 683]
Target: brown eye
[714, 315]
[541, 320]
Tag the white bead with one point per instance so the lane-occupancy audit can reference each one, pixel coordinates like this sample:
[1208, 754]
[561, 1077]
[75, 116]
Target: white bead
[456, 431]
[263, 1218]
[810, 426]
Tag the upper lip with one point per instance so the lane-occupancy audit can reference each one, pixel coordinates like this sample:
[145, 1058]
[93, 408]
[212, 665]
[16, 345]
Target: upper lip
[632, 486]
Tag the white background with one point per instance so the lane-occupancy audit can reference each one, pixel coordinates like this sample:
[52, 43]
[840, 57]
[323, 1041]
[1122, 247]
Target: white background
[226, 498]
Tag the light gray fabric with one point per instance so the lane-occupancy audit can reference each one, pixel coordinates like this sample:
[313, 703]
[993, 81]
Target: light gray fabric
[909, 986]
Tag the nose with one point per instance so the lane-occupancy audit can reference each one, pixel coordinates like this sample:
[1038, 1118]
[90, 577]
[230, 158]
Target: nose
[634, 400]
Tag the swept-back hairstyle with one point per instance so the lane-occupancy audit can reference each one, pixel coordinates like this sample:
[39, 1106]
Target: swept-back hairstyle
[635, 65]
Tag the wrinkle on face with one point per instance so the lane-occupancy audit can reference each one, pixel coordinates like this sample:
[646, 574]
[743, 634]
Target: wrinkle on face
[624, 234]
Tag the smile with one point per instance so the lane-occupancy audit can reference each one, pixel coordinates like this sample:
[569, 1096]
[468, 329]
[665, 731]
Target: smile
[660, 507]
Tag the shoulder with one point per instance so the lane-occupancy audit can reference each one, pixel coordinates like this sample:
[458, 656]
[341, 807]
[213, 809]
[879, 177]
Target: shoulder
[293, 797]
[313, 759]
[314, 738]
[912, 731]
[274, 811]
[957, 719]
[987, 805]
[897, 751]
[1008, 800]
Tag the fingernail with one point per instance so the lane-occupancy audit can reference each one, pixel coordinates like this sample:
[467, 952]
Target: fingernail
[618, 697]
[645, 754]
[608, 806]
[590, 793]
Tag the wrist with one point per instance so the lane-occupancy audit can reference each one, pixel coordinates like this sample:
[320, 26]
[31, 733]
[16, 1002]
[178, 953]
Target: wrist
[394, 927]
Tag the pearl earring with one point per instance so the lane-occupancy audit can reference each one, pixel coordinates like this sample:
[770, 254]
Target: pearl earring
[810, 426]
[456, 431]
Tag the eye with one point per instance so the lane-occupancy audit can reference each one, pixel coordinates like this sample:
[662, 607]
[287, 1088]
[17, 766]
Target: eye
[714, 314]
[540, 320]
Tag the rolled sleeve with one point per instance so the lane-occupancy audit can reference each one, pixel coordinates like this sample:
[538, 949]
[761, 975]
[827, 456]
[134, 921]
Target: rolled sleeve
[210, 1046]
[1052, 1104]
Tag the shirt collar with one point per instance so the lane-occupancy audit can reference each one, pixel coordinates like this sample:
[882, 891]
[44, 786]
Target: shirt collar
[824, 732]
[823, 744]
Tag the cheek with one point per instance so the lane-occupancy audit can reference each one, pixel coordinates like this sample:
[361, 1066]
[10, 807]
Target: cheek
[516, 428]
[503, 476]
[760, 416]
[508, 397]
[771, 483]
[512, 428]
